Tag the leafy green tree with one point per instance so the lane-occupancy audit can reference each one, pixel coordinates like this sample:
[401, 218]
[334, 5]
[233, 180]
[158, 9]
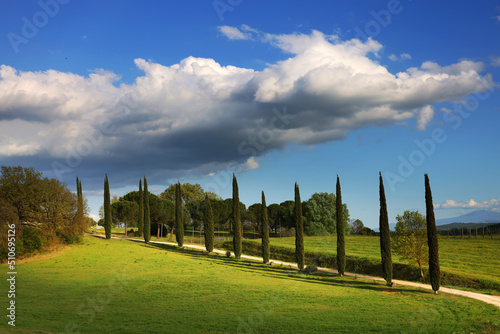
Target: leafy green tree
[275, 215]
[141, 210]
[320, 215]
[209, 225]
[432, 239]
[190, 192]
[147, 217]
[265, 231]
[356, 226]
[299, 230]
[385, 235]
[254, 214]
[107, 209]
[125, 212]
[340, 231]
[179, 223]
[236, 220]
[22, 188]
[410, 238]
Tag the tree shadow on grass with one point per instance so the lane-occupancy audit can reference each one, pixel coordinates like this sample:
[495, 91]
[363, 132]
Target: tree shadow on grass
[284, 272]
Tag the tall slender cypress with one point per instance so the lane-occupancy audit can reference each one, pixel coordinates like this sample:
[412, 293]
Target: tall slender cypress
[265, 231]
[147, 221]
[79, 208]
[141, 210]
[179, 222]
[107, 209]
[432, 239]
[340, 231]
[385, 235]
[299, 230]
[237, 243]
[208, 219]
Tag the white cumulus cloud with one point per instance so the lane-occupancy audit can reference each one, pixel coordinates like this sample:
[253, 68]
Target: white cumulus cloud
[470, 204]
[196, 115]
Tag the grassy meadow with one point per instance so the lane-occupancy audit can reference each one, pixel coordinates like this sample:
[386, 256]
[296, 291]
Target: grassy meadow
[122, 286]
[475, 258]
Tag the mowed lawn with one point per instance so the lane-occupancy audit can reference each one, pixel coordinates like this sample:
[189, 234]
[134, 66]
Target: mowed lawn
[469, 257]
[119, 286]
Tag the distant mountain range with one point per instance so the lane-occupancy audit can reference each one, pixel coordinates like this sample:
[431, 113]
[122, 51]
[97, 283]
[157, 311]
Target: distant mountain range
[478, 216]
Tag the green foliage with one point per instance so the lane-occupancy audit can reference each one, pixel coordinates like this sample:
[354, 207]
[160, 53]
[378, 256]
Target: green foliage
[299, 230]
[179, 222]
[265, 230]
[385, 235]
[410, 238]
[32, 239]
[320, 215]
[209, 226]
[147, 217]
[340, 231]
[432, 239]
[141, 210]
[355, 227]
[107, 208]
[190, 193]
[236, 220]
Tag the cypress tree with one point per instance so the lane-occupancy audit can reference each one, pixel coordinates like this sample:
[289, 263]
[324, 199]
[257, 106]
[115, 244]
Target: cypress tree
[79, 210]
[147, 221]
[340, 231]
[141, 210]
[208, 218]
[179, 223]
[385, 235]
[237, 243]
[107, 209]
[432, 239]
[299, 230]
[265, 231]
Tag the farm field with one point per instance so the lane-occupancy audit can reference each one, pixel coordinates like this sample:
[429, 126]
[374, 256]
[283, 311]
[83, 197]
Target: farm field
[122, 286]
[471, 257]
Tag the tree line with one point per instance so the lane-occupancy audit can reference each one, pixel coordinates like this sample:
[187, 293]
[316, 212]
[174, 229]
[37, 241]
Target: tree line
[44, 211]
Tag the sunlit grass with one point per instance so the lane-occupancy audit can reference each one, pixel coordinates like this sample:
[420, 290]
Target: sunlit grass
[122, 286]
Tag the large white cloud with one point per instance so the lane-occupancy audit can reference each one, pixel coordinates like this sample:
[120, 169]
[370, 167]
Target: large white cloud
[199, 115]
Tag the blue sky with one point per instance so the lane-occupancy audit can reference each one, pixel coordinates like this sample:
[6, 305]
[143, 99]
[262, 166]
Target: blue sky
[277, 92]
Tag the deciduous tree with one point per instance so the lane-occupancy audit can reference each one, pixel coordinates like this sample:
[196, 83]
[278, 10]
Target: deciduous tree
[410, 238]
[208, 218]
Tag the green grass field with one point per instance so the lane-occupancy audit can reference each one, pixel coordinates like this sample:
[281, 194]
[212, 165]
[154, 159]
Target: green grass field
[476, 258]
[126, 287]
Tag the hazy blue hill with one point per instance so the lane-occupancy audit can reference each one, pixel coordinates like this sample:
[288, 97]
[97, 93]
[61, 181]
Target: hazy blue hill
[478, 216]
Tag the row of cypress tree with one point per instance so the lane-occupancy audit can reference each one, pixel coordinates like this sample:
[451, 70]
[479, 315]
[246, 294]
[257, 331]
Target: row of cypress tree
[432, 239]
[385, 236]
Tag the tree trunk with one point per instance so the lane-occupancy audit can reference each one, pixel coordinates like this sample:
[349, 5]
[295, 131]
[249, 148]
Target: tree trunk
[171, 233]
[125, 229]
[421, 271]
[158, 233]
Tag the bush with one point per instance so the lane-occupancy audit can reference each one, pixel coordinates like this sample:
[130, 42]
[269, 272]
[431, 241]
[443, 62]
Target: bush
[31, 239]
[311, 269]
[228, 254]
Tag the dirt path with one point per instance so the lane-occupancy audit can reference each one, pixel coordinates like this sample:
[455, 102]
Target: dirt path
[493, 300]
